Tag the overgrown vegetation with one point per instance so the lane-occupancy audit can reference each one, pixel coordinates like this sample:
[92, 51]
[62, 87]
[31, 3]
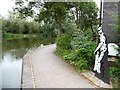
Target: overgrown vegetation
[73, 23]
[77, 50]
[115, 74]
[18, 29]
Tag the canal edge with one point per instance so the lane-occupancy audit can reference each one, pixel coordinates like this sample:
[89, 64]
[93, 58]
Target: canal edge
[32, 72]
[26, 73]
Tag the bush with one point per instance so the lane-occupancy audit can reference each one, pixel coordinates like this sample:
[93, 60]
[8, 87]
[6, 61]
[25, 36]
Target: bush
[63, 42]
[115, 74]
[83, 48]
[77, 50]
[63, 45]
[115, 77]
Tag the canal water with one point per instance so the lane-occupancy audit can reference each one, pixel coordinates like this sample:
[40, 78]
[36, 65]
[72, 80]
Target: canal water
[11, 59]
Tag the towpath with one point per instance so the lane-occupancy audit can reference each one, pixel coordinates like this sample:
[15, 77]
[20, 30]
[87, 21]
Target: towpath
[43, 69]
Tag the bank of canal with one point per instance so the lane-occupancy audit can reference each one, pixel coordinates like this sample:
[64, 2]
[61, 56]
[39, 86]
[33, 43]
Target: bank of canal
[11, 59]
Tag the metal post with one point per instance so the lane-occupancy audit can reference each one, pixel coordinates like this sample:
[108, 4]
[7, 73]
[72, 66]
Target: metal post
[100, 23]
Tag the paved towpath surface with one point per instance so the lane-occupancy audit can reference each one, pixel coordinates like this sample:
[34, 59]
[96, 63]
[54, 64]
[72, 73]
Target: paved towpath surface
[43, 69]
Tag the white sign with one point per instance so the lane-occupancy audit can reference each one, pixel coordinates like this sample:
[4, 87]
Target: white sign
[113, 49]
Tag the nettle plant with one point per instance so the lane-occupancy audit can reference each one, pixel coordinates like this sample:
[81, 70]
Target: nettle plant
[82, 51]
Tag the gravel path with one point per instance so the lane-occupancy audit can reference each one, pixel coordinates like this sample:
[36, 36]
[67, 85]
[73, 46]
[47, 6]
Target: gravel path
[43, 69]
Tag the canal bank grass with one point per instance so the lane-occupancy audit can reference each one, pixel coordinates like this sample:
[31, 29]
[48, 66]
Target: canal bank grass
[10, 36]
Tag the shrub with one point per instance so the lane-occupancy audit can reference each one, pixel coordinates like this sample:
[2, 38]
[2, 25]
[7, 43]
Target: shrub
[83, 48]
[77, 50]
[115, 74]
[63, 45]
[63, 42]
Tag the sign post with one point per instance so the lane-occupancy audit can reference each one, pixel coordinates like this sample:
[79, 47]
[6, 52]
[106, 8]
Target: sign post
[101, 66]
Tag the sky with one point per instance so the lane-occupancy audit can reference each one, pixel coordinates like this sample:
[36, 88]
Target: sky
[6, 5]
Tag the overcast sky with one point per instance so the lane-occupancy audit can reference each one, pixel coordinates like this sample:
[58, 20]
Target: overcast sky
[6, 5]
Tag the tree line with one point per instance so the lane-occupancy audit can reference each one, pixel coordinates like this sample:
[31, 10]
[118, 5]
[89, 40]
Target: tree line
[82, 14]
[21, 26]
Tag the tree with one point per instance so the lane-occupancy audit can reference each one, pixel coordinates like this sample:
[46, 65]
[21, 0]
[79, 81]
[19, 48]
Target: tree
[24, 9]
[54, 10]
[85, 13]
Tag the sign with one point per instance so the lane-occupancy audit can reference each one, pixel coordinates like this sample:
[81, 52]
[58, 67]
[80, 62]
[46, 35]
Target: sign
[113, 49]
[101, 67]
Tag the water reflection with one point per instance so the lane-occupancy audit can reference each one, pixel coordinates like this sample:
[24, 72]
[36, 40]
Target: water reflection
[11, 61]
[11, 71]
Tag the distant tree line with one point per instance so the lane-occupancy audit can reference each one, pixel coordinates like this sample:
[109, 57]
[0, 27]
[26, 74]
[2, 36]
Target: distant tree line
[21, 26]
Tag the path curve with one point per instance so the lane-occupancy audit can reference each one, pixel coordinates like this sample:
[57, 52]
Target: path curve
[43, 69]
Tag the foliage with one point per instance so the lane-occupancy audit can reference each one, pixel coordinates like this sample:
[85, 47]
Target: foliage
[20, 26]
[63, 19]
[77, 50]
[47, 10]
[24, 9]
[9, 36]
[76, 46]
[68, 26]
[83, 52]
[63, 43]
[115, 74]
[86, 13]
[49, 29]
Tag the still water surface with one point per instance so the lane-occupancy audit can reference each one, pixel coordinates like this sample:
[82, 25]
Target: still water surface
[11, 60]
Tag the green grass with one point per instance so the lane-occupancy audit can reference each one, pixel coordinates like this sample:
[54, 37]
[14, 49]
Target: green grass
[10, 36]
